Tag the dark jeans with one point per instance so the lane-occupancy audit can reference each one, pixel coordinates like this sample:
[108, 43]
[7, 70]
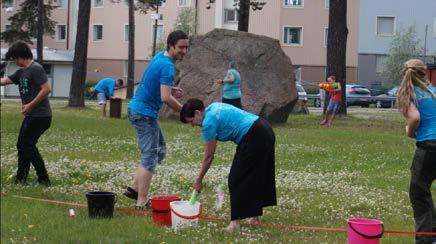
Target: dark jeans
[423, 172]
[235, 102]
[31, 129]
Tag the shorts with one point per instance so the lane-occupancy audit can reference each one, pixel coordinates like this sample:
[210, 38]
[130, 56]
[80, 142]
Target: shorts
[101, 98]
[150, 140]
[334, 106]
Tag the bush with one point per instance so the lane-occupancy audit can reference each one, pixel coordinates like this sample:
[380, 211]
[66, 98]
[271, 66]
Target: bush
[89, 89]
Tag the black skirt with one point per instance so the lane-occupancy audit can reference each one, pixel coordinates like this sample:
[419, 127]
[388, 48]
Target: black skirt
[252, 175]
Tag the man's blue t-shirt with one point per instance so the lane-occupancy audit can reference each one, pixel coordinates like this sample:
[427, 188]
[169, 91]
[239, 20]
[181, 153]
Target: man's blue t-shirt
[106, 86]
[147, 100]
[225, 122]
[427, 110]
[232, 90]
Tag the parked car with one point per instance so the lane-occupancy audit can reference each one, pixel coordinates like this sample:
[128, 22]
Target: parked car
[387, 100]
[302, 95]
[358, 95]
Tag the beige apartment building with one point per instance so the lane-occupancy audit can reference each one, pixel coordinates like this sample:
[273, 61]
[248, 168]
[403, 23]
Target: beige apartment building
[300, 26]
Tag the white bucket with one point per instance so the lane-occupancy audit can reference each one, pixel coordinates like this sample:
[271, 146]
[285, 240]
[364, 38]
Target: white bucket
[184, 214]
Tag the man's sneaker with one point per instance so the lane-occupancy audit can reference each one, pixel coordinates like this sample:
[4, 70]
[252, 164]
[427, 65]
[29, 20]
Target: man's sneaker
[146, 206]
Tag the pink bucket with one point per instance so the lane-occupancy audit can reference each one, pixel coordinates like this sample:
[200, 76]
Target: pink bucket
[364, 231]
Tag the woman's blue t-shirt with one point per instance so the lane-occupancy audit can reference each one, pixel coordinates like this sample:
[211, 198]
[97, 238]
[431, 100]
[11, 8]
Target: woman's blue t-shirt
[426, 104]
[225, 122]
[232, 90]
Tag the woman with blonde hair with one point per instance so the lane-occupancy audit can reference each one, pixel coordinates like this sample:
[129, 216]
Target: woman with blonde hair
[417, 102]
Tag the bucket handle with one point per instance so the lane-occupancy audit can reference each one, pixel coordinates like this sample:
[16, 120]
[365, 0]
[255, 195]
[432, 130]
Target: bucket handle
[185, 216]
[367, 236]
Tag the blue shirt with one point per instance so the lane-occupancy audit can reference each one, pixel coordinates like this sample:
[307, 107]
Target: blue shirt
[225, 122]
[147, 100]
[232, 90]
[106, 86]
[427, 110]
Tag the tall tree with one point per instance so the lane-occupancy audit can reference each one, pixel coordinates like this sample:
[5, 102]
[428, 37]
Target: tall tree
[185, 21]
[243, 9]
[337, 46]
[32, 20]
[78, 76]
[131, 56]
[40, 32]
[404, 46]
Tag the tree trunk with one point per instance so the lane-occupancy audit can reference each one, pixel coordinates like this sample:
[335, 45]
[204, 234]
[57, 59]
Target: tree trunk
[131, 61]
[337, 46]
[78, 76]
[244, 15]
[40, 32]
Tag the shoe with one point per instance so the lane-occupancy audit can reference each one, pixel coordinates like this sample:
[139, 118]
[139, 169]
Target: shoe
[44, 181]
[131, 193]
[146, 206]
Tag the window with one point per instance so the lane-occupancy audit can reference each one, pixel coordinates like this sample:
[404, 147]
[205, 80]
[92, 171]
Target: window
[294, 3]
[434, 27]
[159, 32]
[230, 15]
[7, 3]
[61, 32]
[293, 36]
[98, 3]
[62, 3]
[98, 33]
[8, 27]
[385, 26]
[125, 68]
[327, 3]
[326, 36]
[184, 2]
[126, 33]
[380, 61]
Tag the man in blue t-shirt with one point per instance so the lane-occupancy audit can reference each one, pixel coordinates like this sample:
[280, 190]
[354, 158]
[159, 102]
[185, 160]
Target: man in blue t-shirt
[155, 88]
[105, 90]
[252, 175]
[232, 87]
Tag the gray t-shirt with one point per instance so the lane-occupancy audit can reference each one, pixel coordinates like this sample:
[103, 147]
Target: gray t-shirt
[29, 81]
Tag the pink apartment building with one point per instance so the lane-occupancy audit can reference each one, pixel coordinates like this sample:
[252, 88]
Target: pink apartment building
[300, 25]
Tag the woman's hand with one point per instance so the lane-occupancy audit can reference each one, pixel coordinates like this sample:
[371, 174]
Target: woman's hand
[198, 185]
[219, 81]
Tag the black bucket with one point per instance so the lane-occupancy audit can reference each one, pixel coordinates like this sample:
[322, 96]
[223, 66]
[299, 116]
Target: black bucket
[101, 204]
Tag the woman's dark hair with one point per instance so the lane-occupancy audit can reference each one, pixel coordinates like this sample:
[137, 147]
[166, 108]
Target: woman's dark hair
[19, 49]
[188, 109]
[174, 36]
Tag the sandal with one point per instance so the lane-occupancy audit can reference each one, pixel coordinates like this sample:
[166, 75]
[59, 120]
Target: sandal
[131, 193]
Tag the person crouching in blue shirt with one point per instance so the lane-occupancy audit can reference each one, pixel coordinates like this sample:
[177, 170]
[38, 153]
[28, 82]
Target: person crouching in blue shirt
[105, 90]
[252, 175]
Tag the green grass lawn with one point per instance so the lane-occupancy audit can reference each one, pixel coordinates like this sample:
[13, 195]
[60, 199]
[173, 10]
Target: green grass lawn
[358, 168]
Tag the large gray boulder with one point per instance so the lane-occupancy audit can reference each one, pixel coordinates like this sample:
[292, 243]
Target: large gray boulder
[267, 83]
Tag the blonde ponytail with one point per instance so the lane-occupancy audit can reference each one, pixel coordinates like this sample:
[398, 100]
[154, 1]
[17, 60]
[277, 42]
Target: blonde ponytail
[413, 75]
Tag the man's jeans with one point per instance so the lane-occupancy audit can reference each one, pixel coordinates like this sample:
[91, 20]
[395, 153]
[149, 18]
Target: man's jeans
[150, 140]
[31, 129]
[423, 171]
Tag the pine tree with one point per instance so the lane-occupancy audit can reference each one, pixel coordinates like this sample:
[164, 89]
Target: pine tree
[24, 23]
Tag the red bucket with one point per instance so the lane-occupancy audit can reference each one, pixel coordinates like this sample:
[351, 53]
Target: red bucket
[161, 218]
[162, 203]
